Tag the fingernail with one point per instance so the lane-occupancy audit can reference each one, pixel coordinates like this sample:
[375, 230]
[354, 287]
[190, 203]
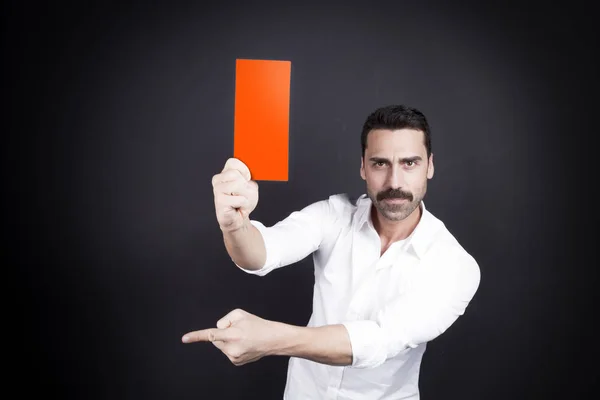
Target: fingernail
[185, 339]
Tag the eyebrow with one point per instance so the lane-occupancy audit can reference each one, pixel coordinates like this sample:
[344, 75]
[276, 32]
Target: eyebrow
[404, 160]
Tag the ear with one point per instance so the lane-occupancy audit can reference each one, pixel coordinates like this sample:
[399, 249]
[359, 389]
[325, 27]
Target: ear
[430, 168]
[362, 169]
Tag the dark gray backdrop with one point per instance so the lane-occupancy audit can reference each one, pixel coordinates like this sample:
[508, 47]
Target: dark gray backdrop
[117, 116]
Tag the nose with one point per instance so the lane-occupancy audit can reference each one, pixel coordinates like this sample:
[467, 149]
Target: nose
[395, 177]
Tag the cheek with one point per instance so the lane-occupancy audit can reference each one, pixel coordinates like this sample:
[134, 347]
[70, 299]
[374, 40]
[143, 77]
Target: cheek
[374, 178]
[416, 182]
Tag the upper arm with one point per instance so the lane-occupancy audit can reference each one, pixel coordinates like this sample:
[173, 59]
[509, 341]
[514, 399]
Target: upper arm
[295, 237]
[438, 297]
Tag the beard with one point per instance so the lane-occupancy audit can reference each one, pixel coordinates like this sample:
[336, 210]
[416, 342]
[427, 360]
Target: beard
[395, 212]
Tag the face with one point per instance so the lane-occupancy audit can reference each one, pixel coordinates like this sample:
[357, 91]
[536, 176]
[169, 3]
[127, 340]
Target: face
[396, 169]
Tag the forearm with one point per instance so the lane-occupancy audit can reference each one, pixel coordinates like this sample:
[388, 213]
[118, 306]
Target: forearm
[326, 344]
[245, 246]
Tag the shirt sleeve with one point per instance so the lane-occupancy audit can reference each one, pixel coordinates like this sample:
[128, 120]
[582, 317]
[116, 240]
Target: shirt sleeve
[293, 238]
[434, 303]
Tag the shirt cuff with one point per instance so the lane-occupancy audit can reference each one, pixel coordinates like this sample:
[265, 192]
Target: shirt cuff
[272, 260]
[368, 343]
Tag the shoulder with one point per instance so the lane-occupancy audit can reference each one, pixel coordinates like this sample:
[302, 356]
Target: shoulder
[339, 204]
[345, 208]
[335, 212]
[449, 254]
[343, 202]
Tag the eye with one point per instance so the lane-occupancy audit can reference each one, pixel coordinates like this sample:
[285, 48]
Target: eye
[410, 164]
[379, 163]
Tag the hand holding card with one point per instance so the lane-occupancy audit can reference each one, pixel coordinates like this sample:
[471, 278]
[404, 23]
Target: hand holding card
[236, 195]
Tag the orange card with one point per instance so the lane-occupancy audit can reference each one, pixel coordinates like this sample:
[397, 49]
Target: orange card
[261, 119]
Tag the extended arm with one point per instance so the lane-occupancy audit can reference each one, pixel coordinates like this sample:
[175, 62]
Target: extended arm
[410, 320]
[244, 337]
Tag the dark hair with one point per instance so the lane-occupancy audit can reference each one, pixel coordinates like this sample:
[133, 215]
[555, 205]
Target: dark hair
[396, 117]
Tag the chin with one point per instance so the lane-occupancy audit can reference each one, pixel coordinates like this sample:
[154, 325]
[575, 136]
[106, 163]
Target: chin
[398, 214]
[394, 215]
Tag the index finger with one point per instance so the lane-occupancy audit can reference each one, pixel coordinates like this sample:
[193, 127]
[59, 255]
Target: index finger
[234, 163]
[205, 335]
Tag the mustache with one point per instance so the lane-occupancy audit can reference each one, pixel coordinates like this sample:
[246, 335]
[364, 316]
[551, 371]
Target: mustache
[394, 194]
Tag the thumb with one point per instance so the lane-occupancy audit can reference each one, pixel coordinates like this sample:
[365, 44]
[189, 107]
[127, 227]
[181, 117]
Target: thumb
[224, 323]
[234, 163]
[231, 318]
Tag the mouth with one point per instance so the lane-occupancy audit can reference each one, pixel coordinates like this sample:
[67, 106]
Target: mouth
[394, 200]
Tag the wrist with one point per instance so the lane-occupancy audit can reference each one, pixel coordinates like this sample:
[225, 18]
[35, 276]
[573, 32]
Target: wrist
[287, 339]
[234, 228]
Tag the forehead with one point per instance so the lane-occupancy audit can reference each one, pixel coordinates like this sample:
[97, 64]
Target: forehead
[395, 141]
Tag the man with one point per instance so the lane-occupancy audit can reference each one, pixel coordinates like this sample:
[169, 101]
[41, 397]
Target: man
[389, 276]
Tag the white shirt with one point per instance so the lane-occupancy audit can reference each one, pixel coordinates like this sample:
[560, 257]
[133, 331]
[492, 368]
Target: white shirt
[390, 304]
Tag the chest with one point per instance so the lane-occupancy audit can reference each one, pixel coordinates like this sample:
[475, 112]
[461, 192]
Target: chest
[356, 274]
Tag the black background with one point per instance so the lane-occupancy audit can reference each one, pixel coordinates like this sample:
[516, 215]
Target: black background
[116, 116]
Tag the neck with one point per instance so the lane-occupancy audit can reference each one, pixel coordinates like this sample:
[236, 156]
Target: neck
[392, 231]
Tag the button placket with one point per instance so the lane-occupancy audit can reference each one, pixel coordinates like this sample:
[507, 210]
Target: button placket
[365, 256]
[335, 382]
[361, 300]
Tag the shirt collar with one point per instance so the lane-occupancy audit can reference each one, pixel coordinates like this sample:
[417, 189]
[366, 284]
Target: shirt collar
[421, 237]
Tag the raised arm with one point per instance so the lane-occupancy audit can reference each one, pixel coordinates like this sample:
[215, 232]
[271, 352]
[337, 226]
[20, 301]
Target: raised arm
[236, 196]
[251, 245]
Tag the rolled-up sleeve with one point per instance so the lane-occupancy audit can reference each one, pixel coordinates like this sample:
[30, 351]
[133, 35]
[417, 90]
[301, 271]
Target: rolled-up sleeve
[436, 300]
[271, 261]
[293, 238]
